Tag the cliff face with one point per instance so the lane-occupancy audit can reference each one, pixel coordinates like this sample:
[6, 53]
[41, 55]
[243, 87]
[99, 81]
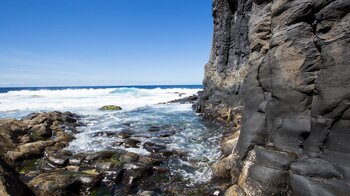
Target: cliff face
[287, 63]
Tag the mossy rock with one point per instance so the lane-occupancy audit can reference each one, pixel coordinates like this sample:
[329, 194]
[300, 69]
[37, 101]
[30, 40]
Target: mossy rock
[29, 165]
[116, 160]
[110, 108]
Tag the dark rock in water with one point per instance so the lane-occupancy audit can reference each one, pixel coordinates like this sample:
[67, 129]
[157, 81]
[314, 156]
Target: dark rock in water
[191, 99]
[154, 129]
[58, 159]
[152, 147]
[160, 169]
[167, 133]
[77, 159]
[100, 155]
[104, 134]
[104, 166]
[10, 184]
[130, 157]
[134, 172]
[131, 143]
[149, 160]
[89, 181]
[124, 133]
[119, 143]
[110, 108]
[287, 64]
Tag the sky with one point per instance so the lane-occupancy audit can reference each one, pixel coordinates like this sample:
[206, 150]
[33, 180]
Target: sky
[103, 42]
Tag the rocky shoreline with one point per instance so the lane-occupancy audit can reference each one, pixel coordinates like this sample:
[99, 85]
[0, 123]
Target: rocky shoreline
[34, 160]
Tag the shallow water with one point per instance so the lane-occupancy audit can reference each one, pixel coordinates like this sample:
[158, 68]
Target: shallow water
[141, 110]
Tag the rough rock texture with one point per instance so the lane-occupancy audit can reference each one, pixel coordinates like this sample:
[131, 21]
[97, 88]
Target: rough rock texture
[286, 62]
[226, 69]
[28, 138]
[10, 184]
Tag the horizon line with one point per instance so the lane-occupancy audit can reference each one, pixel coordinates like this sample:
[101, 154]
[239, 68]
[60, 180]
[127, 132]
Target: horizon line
[74, 86]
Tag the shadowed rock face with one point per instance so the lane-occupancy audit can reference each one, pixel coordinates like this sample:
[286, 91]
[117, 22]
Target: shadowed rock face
[10, 184]
[287, 64]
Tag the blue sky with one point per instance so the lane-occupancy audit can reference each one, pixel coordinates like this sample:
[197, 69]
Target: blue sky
[103, 42]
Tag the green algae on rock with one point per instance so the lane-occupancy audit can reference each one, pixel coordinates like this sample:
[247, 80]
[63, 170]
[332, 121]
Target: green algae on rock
[110, 108]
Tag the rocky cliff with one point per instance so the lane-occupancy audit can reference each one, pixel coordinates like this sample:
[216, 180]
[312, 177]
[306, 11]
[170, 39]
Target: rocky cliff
[287, 63]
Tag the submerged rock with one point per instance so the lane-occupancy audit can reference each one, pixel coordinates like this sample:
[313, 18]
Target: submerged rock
[154, 129]
[152, 147]
[131, 143]
[110, 108]
[125, 133]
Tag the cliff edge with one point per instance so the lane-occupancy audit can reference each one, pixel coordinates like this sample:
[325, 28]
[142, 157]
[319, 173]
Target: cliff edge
[286, 62]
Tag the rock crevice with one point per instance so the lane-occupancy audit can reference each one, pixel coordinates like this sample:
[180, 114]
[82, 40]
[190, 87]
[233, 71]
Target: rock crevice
[286, 63]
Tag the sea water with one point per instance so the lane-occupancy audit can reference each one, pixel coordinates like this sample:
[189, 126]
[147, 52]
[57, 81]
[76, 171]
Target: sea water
[143, 107]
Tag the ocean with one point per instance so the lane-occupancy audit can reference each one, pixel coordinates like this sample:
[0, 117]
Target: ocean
[143, 107]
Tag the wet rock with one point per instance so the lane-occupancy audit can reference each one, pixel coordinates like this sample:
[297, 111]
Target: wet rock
[77, 159]
[127, 124]
[104, 134]
[124, 133]
[130, 157]
[154, 129]
[110, 108]
[165, 152]
[102, 155]
[167, 134]
[149, 160]
[131, 143]
[58, 159]
[160, 169]
[104, 166]
[119, 143]
[134, 172]
[69, 117]
[152, 147]
[190, 99]
[89, 181]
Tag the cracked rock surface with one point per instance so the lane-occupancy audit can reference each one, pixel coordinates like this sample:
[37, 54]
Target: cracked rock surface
[287, 63]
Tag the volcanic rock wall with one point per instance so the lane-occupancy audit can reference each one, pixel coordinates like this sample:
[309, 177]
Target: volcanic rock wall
[287, 62]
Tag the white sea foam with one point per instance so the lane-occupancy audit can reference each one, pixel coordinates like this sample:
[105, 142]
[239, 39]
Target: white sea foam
[140, 109]
[87, 100]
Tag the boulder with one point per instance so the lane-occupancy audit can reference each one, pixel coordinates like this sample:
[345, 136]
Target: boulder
[110, 108]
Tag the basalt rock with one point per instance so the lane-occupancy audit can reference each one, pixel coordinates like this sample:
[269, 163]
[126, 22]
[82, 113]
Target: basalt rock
[287, 64]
